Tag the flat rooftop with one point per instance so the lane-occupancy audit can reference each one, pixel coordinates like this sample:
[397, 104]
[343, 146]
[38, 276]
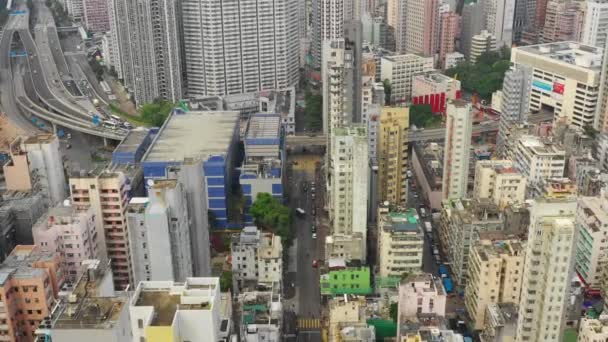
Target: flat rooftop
[264, 126]
[133, 140]
[435, 77]
[195, 134]
[39, 139]
[18, 263]
[540, 146]
[402, 221]
[89, 313]
[568, 53]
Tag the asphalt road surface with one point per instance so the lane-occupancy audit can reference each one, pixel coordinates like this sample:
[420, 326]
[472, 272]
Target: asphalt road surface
[308, 249]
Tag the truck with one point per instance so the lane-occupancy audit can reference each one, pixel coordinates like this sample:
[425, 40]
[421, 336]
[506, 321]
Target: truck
[443, 270]
[427, 227]
[448, 284]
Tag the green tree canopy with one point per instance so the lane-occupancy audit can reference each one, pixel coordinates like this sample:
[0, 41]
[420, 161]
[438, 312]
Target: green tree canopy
[394, 311]
[313, 111]
[422, 115]
[226, 281]
[156, 112]
[388, 90]
[269, 214]
[486, 75]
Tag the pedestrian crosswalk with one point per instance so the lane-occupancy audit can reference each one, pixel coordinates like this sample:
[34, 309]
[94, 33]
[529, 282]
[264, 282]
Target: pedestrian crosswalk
[309, 323]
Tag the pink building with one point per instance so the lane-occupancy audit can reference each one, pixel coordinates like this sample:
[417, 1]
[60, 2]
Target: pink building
[450, 22]
[435, 89]
[420, 294]
[416, 27]
[96, 16]
[69, 233]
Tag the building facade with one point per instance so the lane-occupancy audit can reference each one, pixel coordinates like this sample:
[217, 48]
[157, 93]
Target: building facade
[148, 45]
[458, 133]
[349, 186]
[30, 285]
[399, 70]
[400, 242]
[159, 234]
[480, 44]
[69, 233]
[420, 294]
[96, 16]
[392, 154]
[239, 47]
[499, 181]
[566, 79]
[435, 89]
[107, 193]
[591, 245]
[538, 160]
[547, 270]
[494, 276]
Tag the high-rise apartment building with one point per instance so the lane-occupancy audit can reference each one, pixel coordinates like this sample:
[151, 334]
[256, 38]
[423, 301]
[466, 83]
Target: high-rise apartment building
[499, 16]
[449, 30]
[499, 181]
[159, 233]
[75, 9]
[328, 18]
[400, 241]
[416, 29]
[29, 284]
[481, 43]
[36, 165]
[595, 29]
[566, 79]
[591, 245]
[108, 194]
[240, 46]
[592, 330]
[547, 271]
[348, 179]
[393, 130]
[472, 24]
[563, 22]
[399, 70]
[462, 222]
[146, 38]
[495, 275]
[96, 16]
[341, 87]
[459, 125]
[514, 103]
[69, 233]
[538, 160]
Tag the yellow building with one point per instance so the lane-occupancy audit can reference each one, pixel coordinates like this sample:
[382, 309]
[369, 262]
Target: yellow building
[593, 330]
[393, 132]
[559, 188]
[499, 181]
[348, 314]
[496, 264]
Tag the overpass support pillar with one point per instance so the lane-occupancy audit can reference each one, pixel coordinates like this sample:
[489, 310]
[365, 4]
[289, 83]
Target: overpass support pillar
[105, 142]
[54, 128]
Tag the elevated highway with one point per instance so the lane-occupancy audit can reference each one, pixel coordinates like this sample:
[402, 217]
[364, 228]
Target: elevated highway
[425, 135]
[26, 90]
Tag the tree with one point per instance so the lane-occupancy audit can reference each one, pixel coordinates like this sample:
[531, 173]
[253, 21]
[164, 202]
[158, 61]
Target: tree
[226, 281]
[269, 214]
[388, 90]
[422, 115]
[156, 113]
[313, 110]
[394, 311]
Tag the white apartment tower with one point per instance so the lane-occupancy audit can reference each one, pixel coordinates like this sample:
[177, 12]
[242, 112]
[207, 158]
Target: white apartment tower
[45, 165]
[458, 132]
[159, 234]
[499, 20]
[499, 181]
[592, 245]
[235, 47]
[146, 37]
[349, 180]
[547, 270]
[328, 24]
[538, 160]
[595, 26]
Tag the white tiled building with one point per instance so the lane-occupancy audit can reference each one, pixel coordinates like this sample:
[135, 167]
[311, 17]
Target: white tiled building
[538, 160]
[592, 242]
[547, 271]
[499, 181]
[458, 130]
[400, 71]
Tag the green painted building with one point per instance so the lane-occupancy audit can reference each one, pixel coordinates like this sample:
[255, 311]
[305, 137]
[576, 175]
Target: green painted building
[350, 280]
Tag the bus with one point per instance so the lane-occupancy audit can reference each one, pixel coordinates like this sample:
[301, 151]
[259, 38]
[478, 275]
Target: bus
[110, 124]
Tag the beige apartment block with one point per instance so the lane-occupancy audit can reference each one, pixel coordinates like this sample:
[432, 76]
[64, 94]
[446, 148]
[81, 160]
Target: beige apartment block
[392, 154]
[499, 181]
[495, 275]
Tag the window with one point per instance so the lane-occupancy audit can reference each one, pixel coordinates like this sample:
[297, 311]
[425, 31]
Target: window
[140, 323]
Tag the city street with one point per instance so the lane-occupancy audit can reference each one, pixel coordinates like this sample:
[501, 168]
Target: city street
[308, 296]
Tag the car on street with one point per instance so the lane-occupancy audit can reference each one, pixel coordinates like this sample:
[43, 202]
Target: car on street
[314, 228]
[314, 235]
[315, 263]
[313, 196]
[305, 187]
[314, 211]
[300, 211]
